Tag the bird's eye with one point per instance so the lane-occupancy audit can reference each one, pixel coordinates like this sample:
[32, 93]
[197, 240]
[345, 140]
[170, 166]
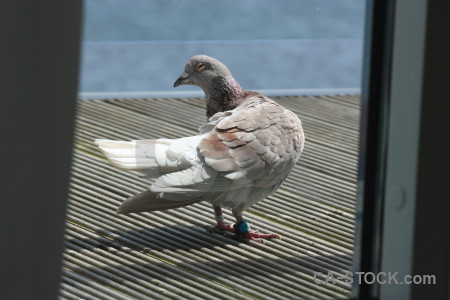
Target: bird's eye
[200, 67]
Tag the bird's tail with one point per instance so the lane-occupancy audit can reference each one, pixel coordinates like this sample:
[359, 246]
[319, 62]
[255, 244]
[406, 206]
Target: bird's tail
[148, 157]
[139, 155]
[150, 201]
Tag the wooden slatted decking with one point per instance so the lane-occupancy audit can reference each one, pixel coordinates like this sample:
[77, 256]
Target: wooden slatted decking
[169, 255]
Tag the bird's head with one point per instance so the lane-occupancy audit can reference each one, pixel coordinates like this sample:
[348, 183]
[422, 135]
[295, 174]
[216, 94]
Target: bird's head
[203, 71]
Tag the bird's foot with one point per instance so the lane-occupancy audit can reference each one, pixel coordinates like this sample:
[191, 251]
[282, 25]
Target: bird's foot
[221, 226]
[259, 237]
[243, 232]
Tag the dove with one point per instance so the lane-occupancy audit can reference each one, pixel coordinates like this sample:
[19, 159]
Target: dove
[241, 154]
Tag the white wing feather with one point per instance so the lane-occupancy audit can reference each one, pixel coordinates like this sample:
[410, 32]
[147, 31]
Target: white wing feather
[235, 160]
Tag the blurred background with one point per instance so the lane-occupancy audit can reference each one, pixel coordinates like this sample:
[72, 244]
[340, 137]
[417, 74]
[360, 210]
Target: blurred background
[138, 48]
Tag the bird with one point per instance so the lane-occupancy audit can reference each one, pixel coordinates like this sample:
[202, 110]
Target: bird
[243, 152]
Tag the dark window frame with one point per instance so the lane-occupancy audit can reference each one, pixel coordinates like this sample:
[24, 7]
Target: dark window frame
[403, 192]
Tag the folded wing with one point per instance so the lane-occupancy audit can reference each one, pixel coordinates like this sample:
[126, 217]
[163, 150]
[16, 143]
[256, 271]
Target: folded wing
[254, 146]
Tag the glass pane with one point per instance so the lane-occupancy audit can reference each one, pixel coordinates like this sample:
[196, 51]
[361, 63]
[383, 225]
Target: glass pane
[307, 56]
[301, 47]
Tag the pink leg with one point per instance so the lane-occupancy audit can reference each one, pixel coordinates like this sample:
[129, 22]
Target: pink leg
[221, 226]
[243, 230]
[240, 230]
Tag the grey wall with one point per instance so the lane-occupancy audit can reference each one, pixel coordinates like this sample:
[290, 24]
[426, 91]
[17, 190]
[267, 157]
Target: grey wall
[38, 74]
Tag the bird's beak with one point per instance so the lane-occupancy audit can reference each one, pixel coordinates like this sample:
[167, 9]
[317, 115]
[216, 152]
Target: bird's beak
[181, 80]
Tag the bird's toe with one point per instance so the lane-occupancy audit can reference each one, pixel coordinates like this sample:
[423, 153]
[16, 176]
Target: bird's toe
[220, 227]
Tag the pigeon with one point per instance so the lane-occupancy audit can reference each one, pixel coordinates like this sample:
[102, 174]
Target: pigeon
[241, 154]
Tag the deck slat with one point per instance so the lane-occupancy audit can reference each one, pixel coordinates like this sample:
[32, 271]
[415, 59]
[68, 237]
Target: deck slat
[169, 255]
